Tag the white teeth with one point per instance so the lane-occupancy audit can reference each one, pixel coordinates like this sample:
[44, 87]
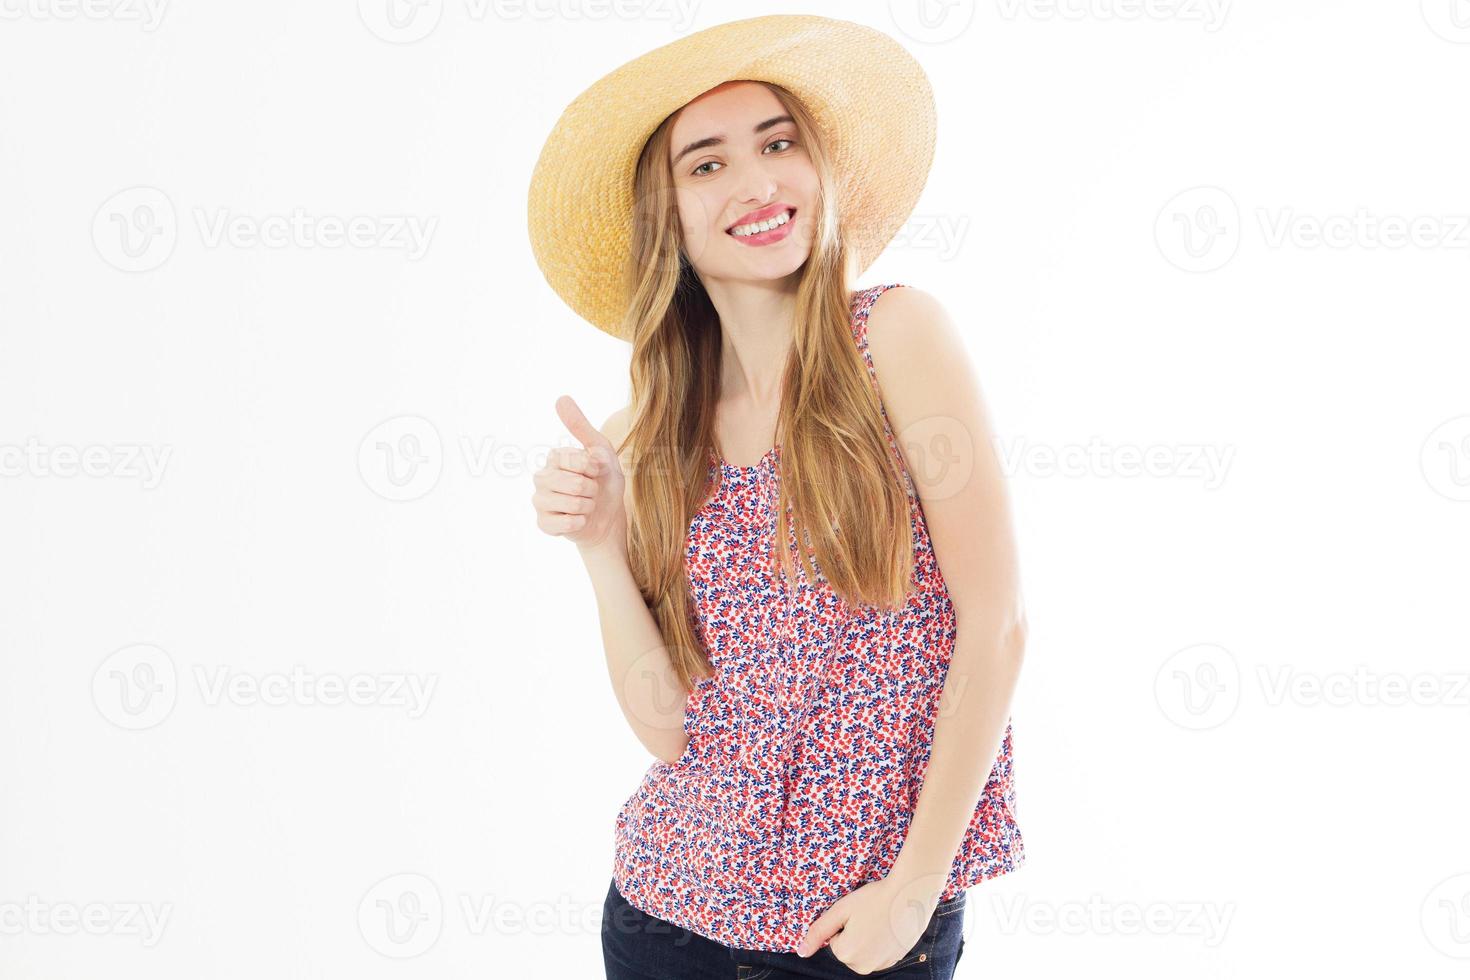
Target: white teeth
[760, 226]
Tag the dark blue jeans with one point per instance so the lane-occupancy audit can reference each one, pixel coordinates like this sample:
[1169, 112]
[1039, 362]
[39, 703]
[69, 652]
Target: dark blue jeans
[639, 946]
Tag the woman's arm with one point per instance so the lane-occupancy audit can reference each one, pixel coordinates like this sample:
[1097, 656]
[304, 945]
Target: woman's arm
[938, 415]
[638, 664]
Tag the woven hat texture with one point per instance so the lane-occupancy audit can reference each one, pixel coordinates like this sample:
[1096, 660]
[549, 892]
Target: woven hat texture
[871, 99]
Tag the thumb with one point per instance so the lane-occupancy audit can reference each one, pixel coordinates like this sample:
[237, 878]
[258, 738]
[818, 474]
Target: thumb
[827, 925]
[582, 430]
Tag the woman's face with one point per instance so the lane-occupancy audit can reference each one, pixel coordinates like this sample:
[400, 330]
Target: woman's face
[736, 163]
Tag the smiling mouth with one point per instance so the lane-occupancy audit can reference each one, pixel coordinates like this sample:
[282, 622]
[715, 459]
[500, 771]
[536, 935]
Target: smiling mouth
[790, 214]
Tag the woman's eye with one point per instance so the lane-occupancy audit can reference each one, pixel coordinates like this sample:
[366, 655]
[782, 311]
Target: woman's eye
[699, 171]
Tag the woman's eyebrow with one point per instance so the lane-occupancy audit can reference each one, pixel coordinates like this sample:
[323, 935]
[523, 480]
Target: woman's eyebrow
[760, 127]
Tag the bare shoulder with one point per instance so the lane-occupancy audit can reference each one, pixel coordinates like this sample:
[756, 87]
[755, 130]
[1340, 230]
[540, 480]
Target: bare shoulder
[929, 386]
[616, 429]
[617, 424]
[910, 332]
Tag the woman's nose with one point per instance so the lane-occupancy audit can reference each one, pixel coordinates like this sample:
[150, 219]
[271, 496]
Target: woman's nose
[757, 188]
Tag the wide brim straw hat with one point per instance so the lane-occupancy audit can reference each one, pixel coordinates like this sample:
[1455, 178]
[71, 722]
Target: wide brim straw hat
[869, 96]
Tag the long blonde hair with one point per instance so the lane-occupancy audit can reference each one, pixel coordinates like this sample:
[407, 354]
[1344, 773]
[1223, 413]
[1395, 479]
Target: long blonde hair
[837, 468]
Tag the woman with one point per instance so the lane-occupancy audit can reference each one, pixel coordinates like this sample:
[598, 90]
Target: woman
[830, 720]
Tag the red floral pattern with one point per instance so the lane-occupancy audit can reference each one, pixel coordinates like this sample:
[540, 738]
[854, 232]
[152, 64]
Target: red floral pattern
[808, 746]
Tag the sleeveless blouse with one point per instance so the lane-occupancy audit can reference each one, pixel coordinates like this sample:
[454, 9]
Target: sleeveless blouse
[809, 744]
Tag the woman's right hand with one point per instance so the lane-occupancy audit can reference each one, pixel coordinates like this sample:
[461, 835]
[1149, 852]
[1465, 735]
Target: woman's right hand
[579, 492]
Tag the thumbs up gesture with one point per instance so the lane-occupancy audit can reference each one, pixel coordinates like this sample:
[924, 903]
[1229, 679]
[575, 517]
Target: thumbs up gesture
[579, 492]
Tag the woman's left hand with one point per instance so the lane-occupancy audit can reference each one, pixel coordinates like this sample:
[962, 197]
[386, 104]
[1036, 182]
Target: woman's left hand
[872, 932]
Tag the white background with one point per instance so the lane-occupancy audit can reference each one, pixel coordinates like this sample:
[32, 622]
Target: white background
[1121, 215]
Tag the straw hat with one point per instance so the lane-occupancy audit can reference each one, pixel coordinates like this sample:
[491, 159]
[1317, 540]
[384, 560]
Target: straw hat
[871, 100]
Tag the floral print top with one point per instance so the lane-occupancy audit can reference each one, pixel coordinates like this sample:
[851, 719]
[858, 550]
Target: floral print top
[808, 746]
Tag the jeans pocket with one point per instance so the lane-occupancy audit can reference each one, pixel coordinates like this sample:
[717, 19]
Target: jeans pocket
[945, 908]
[920, 954]
[937, 942]
[949, 934]
[942, 930]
